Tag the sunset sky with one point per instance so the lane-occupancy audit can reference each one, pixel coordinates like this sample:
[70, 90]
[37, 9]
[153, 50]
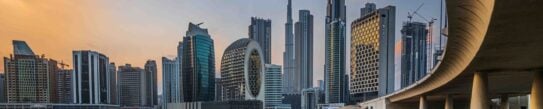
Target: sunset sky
[133, 31]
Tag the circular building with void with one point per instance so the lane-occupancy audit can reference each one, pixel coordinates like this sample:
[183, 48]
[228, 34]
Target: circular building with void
[242, 71]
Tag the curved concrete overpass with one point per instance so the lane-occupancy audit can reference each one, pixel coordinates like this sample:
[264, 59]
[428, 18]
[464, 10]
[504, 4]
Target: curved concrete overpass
[494, 49]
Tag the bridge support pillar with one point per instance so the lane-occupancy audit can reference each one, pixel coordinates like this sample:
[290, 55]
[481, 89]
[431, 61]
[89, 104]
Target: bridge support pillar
[536, 97]
[479, 91]
[449, 102]
[504, 101]
[423, 103]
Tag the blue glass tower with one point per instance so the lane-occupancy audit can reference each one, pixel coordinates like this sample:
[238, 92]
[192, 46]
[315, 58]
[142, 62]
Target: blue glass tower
[335, 52]
[198, 65]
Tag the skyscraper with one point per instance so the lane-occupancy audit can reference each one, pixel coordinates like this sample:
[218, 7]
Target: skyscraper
[198, 65]
[64, 86]
[273, 85]
[114, 88]
[260, 30]
[151, 94]
[29, 78]
[132, 86]
[335, 29]
[372, 54]
[289, 76]
[370, 7]
[304, 49]
[310, 98]
[218, 89]
[242, 71]
[3, 97]
[414, 53]
[171, 86]
[91, 78]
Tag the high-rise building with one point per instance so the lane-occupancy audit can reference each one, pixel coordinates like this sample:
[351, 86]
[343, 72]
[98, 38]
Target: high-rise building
[131, 86]
[198, 65]
[310, 98]
[304, 49]
[171, 86]
[321, 85]
[151, 94]
[289, 76]
[372, 54]
[370, 7]
[260, 30]
[218, 89]
[273, 85]
[335, 34]
[114, 90]
[91, 78]
[29, 78]
[3, 96]
[414, 52]
[242, 71]
[64, 86]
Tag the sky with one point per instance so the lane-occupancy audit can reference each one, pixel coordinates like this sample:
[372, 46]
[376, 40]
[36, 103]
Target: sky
[133, 31]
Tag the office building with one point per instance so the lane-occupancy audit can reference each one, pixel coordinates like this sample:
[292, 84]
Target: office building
[132, 87]
[56, 106]
[294, 100]
[260, 30]
[372, 54]
[198, 65]
[310, 98]
[114, 87]
[335, 34]
[273, 85]
[218, 89]
[234, 104]
[29, 78]
[171, 86]
[290, 81]
[321, 85]
[231, 104]
[64, 86]
[242, 71]
[3, 98]
[414, 52]
[370, 7]
[91, 78]
[331, 106]
[304, 49]
[151, 94]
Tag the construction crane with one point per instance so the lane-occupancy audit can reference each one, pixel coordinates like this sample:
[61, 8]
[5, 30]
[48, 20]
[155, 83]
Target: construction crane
[410, 15]
[62, 65]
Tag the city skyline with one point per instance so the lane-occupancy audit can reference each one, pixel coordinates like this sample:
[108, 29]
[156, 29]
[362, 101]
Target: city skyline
[111, 29]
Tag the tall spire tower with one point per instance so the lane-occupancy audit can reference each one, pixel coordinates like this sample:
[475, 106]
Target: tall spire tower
[290, 84]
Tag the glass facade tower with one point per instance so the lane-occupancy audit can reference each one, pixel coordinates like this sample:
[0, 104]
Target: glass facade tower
[198, 65]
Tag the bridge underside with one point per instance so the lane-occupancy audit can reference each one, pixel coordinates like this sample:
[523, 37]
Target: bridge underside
[499, 39]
